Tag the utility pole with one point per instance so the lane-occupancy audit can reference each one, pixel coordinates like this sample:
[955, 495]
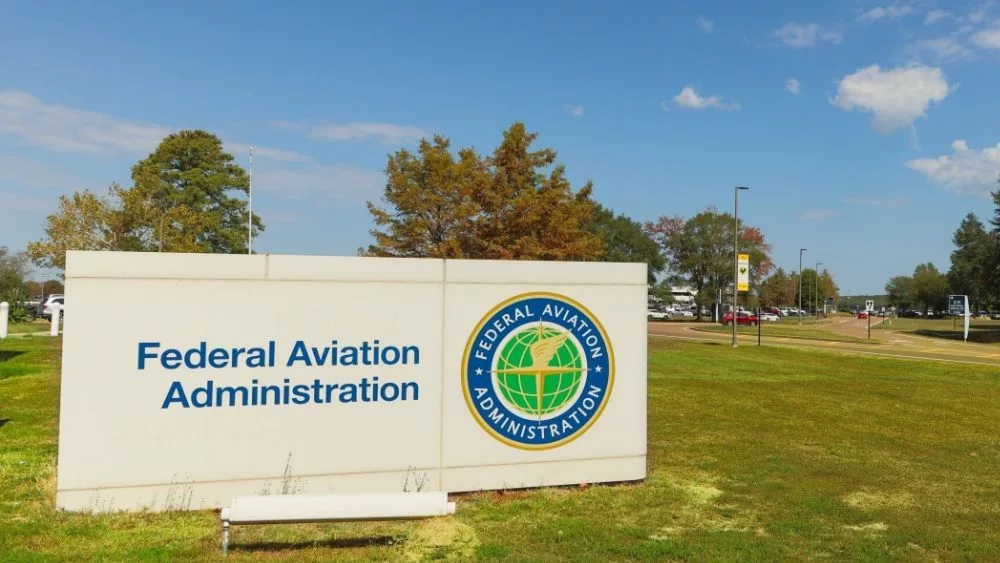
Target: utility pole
[736, 255]
[816, 290]
[801, 250]
[250, 207]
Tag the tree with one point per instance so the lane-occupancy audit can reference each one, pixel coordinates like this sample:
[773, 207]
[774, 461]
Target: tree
[431, 196]
[779, 289]
[625, 240]
[13, 269]
[900, 292]
[930, 287]
[971, 260]
[501, 207]
[180, 202]
[699, 251]
[188, 184]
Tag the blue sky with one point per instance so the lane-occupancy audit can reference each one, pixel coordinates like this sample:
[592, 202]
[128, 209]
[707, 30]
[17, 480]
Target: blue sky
[866, 130]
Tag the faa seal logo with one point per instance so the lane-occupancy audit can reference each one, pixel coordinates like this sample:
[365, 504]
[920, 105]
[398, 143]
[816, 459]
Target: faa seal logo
[538, 371]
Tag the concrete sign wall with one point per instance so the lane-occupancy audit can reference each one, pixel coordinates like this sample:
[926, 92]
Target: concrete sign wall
[190, 378]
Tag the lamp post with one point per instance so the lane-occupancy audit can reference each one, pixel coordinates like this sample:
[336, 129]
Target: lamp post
[736, 256]
[816, 290]
[801, 250]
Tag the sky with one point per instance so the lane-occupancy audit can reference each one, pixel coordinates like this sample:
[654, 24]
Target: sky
[865, 130]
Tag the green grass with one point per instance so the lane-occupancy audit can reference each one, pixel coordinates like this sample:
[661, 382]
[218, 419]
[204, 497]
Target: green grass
[764, 454]
[22, 328]
[788, 329]
[980, 330]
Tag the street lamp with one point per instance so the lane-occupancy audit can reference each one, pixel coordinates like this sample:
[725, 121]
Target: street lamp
[801, 250]
[736, 256]
[816, 290]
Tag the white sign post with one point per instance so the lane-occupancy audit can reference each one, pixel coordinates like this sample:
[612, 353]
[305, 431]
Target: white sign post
[251, 374]
[4, 312]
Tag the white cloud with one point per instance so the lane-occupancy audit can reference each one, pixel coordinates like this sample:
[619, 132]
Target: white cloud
[934, 16]
[965, 170]
[384, 132]
[896, 97]
[890, 12]
[876, 202]
[988, 38]
[33, 173]
[977, 17]
[689, 98]
[61, 128]
[575, 111]
[801, 35]
[941, 50]
[793, 86]
[268, 153]
[65, 129]
[704, 23]
[337, 181]
[817, 215]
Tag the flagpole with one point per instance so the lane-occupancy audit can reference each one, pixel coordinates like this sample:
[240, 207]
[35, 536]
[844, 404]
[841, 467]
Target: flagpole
[250, 207]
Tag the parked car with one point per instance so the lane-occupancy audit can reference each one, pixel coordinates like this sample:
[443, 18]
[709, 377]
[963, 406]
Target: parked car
[656, 315]
[746, 319]
[683, 313]
[46, 307]
[862, 314]
[769, 317]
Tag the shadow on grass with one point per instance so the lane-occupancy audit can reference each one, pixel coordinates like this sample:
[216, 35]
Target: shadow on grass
[3, 421]
[337, 543]
[9, 354]
[982, 336]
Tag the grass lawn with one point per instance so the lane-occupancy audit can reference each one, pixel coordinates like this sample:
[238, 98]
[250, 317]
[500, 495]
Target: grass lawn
[757, 454]
[789, 329]
[21, 328]
[980, 330]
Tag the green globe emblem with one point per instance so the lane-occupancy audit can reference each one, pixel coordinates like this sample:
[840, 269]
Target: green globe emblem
[539, 370]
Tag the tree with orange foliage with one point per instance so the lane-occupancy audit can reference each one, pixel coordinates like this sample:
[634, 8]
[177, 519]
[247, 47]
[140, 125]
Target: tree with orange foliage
[516, 204]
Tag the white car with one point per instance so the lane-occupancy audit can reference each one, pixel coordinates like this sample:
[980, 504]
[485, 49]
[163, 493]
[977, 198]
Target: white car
[771, 317]
[684, 313]
[654, 315]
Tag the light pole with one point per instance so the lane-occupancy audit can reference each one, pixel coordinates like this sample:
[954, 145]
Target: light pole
[816, 290]
[801, 250]
[736, 256]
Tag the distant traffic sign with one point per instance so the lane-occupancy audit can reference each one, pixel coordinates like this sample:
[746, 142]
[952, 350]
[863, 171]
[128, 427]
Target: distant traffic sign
[956, 305]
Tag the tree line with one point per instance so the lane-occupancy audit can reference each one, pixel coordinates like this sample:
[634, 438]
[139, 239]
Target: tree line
[974, 269]
[513, 203]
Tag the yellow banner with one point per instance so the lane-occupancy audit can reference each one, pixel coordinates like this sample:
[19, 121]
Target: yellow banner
[743, 273]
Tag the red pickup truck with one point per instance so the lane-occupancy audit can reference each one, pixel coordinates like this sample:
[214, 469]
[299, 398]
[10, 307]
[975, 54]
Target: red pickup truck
[746, 319]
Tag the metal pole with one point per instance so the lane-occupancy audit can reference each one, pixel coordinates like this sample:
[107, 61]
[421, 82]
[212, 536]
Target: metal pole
[250, 207]
[736, 257]
[816, 291]
[801, 250]
[869, 315]
[758, 326]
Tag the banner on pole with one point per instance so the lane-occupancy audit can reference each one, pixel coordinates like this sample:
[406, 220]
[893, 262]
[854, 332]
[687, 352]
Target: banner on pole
[743, 267]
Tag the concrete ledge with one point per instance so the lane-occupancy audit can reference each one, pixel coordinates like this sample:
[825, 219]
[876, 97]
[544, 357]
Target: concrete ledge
[354, 269]
[540, 273]
[165, 265]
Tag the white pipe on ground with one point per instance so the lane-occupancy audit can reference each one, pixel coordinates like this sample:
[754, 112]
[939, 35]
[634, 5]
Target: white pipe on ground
[336, 507]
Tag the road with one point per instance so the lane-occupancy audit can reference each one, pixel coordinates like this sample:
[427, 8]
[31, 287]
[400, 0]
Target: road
[888, 342]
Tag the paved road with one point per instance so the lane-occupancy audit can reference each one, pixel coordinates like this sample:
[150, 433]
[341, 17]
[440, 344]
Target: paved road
[889, 342]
